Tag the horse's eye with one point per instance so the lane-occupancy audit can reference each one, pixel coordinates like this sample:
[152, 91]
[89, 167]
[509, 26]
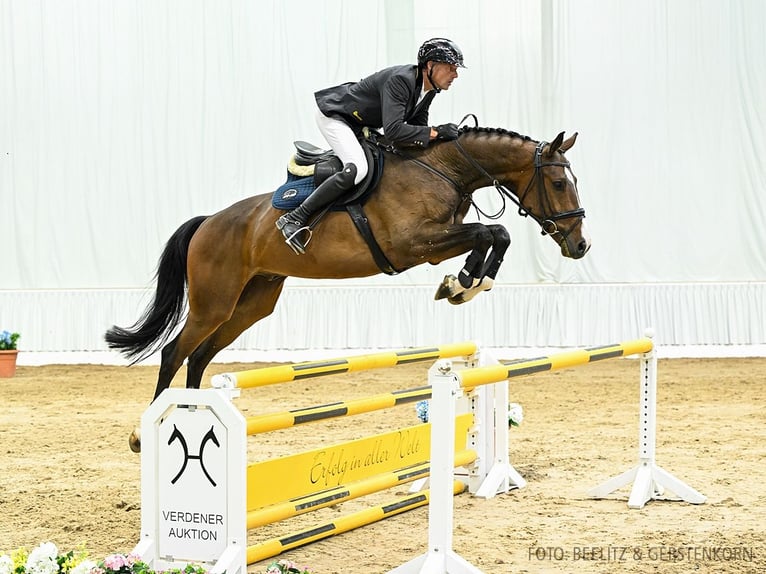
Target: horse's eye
[559, 184]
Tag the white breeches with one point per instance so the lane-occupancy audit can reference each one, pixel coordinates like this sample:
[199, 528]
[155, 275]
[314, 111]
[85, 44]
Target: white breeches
[343, 142]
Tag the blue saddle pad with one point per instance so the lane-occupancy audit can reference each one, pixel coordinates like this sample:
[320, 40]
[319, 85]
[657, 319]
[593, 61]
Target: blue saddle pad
[291, 194]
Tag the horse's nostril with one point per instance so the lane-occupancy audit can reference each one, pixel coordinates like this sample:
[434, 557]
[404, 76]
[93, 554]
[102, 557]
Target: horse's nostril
[582, 247]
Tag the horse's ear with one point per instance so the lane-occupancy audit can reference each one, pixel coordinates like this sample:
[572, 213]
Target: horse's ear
[556, 143]
[568, 143]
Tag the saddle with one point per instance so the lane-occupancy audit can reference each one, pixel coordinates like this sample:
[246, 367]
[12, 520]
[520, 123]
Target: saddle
[310, 165]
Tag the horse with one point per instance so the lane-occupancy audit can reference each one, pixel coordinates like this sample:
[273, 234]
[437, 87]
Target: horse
[229, 268]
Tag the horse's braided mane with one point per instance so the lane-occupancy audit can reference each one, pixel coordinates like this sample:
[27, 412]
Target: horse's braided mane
[501, 131]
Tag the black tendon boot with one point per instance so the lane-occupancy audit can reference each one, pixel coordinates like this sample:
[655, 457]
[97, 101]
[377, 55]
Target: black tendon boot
[293, 225]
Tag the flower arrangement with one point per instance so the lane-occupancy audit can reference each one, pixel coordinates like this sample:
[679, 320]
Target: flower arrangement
[286, 567]
[8, 341]
[515, 413]
[421, 410]
[45, 559]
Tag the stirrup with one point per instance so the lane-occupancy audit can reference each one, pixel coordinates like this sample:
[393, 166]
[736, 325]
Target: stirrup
[294, 241]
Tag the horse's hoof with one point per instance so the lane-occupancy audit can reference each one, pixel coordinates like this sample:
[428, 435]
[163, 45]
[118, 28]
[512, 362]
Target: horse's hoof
[484, 285]
[134, 441]
[447, 288]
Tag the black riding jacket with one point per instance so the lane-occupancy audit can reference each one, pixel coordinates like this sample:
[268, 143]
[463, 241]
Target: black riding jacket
[386, 99]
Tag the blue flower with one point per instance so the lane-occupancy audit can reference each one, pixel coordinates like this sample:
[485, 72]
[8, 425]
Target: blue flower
[421, 409]
[8, 341]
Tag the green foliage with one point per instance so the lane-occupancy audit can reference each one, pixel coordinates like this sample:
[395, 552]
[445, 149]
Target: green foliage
[8, 341]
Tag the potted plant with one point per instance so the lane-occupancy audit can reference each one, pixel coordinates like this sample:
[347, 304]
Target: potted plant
[8, 353]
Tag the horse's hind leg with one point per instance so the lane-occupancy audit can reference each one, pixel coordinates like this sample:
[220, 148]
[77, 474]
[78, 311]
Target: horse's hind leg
[257, 301]
[194, 332]
[168, 366]
[247, 312]
[203, 320]
[168, 369]
[173, 355]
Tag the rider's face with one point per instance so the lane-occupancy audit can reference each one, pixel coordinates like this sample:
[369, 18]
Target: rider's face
[443, 74]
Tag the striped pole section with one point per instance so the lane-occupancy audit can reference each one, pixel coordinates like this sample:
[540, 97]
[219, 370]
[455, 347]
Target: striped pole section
[296, 506]
[270, 548]
[471, 378]
[285, 419]
[298, 371]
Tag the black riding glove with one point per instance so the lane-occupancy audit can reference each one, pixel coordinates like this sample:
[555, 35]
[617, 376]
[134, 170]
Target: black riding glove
[446, 132]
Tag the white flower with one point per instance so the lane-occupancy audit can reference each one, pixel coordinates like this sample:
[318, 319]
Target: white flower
[42, 560]
[83, 567]
[515, 414]
[6, 564]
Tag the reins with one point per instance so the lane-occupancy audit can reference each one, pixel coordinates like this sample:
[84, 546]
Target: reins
[547, 220]
[390, 148]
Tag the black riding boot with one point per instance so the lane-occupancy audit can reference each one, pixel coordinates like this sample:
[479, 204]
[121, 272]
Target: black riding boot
[294, 224]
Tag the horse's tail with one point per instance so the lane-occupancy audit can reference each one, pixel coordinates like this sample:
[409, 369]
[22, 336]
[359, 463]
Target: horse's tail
[159, 319]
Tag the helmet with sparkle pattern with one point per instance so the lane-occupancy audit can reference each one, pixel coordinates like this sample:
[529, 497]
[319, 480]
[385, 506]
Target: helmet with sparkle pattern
[440, 50]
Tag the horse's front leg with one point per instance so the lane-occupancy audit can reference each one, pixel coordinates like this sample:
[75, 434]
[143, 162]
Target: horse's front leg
[501, 240]
[479, 272]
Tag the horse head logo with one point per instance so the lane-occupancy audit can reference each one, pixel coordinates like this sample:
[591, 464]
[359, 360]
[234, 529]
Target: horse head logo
[209, 436]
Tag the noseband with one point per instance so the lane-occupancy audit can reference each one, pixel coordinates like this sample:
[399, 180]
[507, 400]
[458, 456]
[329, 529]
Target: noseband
[547, 220]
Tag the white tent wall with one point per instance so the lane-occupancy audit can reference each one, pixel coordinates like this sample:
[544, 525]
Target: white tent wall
[121, 120]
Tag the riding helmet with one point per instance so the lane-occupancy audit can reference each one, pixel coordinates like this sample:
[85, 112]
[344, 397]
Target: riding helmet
[440, 50]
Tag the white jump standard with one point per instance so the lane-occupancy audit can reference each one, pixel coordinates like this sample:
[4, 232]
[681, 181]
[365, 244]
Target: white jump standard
[649, 480]
[448, 384]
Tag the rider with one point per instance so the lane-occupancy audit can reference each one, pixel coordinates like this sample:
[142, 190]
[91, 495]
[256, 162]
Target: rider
[395, 99]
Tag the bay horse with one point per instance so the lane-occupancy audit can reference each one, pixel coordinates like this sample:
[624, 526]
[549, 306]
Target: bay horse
[231, 266]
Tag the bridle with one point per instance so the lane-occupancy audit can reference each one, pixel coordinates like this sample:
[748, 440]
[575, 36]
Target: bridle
[547, 220]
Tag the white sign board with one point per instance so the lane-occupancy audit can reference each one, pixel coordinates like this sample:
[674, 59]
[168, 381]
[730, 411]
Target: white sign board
[193, 517]
[193, 466]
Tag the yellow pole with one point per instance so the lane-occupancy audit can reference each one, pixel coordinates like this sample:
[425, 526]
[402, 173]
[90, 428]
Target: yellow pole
[285, 419]
[270, 548]
[308, 472]
[297, 506]
[471, 378]
[286, 373]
